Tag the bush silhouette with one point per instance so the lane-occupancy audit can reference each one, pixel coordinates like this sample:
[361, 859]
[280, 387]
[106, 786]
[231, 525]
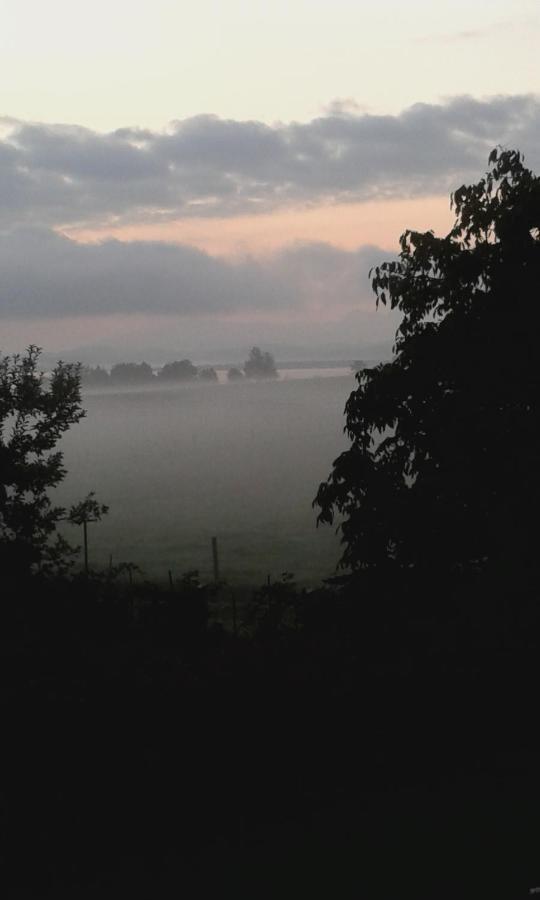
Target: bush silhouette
[35, 411]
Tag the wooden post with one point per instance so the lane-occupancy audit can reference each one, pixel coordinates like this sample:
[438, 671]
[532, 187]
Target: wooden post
[234, 623]
[215, 559]
[85, 538]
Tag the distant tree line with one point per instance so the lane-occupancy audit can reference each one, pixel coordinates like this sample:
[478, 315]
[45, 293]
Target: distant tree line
[141, 373]
[259, 365]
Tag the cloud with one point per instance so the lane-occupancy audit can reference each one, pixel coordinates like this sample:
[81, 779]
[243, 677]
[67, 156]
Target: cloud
[466, 34]
[47, 275]
[208, 166]
[522, 22]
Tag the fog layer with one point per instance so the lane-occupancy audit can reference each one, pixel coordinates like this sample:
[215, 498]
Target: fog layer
[239, 461]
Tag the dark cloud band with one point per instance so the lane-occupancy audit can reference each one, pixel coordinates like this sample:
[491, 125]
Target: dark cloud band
[46, 275]
[55, 174]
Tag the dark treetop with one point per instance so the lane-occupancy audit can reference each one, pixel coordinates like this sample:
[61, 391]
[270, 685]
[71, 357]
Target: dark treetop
[442, 470]
[34, 413]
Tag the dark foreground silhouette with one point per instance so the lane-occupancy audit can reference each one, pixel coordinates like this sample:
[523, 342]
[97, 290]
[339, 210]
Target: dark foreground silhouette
[376, 740]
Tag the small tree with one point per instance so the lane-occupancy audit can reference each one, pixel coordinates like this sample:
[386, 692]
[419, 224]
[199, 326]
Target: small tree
[442, 470]
[260, 365]
[88, 510]
[180, 370]
[35, 411]
[235, 374]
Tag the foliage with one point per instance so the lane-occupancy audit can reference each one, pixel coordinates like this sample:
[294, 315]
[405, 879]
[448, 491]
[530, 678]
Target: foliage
[94, 377]
[125, 568]
[88, 510]
[274, 607]
[34, 413]
[260, 364]
[235, 374]
[180, 370]
[207, 373]
[443, 465]
[131, 373]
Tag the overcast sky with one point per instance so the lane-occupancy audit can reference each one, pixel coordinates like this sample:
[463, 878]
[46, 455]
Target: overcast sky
[174, 172]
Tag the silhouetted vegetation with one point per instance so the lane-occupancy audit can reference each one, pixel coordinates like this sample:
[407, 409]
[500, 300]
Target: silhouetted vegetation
[374, 737]
[94, 376]
[181, 370]
[34, 413]
[235, 374]
[260, 364]
[207, 373]
[88, 510]
[442, 471]
[135, 374]
[331, 734]
[131, 373]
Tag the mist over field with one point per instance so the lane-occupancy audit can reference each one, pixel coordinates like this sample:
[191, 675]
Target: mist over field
[180, 464]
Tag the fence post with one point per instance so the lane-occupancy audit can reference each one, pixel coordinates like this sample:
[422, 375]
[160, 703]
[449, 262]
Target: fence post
[85, 537]
[235, 627]
[215, 559]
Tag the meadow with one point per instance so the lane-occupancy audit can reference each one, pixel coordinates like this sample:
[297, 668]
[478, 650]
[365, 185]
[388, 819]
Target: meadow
[181, 464]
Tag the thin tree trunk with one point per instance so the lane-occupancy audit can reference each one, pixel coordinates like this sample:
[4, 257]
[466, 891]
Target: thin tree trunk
[85, 536]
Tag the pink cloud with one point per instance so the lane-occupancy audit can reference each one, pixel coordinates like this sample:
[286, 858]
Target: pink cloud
[345, 225]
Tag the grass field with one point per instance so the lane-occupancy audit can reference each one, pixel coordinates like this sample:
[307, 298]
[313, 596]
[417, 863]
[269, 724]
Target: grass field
[178, 465]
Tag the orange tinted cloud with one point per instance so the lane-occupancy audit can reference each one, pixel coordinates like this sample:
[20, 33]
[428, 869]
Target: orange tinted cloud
[346, 225]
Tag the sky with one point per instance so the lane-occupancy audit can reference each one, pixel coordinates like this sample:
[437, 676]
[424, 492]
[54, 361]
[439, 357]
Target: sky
[191, 179]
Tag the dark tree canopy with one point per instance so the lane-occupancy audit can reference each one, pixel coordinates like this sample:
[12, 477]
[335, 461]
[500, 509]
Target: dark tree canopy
[94, 377]
[260, 364]
[34, 413]
[443, 470]
[207, 373]
[180, 370]
[131, 373]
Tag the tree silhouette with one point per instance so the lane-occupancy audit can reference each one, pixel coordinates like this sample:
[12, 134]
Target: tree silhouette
[180, 370]
[207, 373]
[131, 373]
[35, 411]
[94, 377]
[88, 510]
[260, 364]
[443, 465]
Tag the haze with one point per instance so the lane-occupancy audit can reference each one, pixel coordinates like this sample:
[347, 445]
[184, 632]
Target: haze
[239, 461]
